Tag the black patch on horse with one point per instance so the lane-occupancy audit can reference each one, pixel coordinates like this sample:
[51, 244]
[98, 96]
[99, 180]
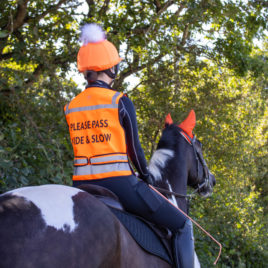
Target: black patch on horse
[27, 224]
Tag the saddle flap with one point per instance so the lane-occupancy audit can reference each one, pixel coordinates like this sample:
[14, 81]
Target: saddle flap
[102, 194]
[145, 234]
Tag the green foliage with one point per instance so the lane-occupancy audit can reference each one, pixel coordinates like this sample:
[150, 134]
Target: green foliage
[200, 55]
[232, 119]
[35, 147]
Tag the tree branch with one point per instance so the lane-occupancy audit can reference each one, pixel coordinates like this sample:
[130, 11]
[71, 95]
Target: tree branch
[158, 5]
[20, 19]
[6, 56]
[42, 66]
[104, 8]
[131, 70]
[91, 8]
[46, 12]
[153, 142]
[35, 127]
[165, 7]
[160, 11]
[38, 70]
[178, 12]
[20, 16]
[185, 35]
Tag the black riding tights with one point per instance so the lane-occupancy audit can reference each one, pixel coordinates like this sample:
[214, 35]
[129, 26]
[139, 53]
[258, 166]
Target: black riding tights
[138, 198]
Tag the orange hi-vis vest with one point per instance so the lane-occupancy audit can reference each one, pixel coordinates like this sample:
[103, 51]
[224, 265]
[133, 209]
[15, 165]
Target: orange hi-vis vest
[97, 136]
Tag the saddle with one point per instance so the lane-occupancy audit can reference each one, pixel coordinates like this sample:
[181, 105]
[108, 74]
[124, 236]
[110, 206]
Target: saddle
[151, 238]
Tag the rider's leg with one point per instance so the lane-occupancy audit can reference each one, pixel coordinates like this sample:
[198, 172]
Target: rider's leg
[183, 244]
[140, 199]
[168, 215]
[137, 197]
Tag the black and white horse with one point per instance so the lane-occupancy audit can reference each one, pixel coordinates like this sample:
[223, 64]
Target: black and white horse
[179, 155]
[176, 149]
[62, 226]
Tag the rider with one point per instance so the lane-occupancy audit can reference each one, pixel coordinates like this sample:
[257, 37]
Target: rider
[103, 130]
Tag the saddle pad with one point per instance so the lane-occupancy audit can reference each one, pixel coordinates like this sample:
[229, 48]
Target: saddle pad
[142, 234]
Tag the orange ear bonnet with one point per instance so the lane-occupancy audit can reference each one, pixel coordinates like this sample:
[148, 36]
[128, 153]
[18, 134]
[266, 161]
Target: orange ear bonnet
[168, 120]
[189, 123]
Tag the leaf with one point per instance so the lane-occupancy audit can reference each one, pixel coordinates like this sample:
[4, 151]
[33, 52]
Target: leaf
[3, 34]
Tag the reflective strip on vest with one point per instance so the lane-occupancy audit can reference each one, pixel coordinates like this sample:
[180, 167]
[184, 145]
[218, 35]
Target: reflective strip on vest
[97, 169]
[90, 108]
[82, 161]
[112, 158]
[95, 107]
[115, 97]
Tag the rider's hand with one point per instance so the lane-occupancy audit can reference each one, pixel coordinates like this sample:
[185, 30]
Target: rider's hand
[149, 179]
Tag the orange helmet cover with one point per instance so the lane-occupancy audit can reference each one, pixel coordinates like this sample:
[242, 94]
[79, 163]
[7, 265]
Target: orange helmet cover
[96, 53]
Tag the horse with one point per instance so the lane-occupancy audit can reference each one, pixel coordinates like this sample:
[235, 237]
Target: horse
[63, 226]
[171, 154]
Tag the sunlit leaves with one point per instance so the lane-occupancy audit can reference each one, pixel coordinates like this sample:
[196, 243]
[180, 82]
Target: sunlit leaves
[231, 120]
[186, 55]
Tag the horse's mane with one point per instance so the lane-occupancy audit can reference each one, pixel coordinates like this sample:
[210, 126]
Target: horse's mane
[158, 162]
[169, 138]
[165, 151]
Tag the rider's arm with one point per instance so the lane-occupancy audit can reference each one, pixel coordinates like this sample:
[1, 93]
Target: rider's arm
[127, 115]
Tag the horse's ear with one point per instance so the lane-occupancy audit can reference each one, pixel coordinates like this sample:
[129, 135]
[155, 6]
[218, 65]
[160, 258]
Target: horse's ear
[189, 123]
[168, 120]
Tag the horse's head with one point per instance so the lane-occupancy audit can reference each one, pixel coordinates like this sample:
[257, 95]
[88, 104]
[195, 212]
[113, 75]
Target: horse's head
[178, 160]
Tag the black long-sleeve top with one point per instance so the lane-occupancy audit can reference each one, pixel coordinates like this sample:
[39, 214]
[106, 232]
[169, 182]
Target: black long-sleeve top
[127, 117]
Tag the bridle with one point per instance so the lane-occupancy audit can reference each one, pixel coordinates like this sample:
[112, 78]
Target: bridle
[198, 158]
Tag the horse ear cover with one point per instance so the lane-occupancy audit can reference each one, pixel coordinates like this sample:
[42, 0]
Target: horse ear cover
[96, 52]
[168, 120]
[189, 123]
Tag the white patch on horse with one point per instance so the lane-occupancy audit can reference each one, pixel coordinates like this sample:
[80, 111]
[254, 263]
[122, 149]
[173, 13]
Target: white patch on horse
[55, 203]
[172, 199]
[158, 162]
[196, 261]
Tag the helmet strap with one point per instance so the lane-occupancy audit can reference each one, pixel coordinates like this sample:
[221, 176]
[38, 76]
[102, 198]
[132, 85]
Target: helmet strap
[112, 72]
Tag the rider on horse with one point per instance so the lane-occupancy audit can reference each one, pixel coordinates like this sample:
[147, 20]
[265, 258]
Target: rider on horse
[104, 134]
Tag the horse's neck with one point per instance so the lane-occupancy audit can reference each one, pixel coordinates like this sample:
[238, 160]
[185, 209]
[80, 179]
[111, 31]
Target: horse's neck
[177, 181]
[170, 175]
[158, 163]
[178, 177]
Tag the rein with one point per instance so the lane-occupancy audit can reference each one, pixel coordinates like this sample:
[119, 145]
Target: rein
[187, 196]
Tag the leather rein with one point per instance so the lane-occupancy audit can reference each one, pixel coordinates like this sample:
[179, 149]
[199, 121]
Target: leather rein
[187, 196]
